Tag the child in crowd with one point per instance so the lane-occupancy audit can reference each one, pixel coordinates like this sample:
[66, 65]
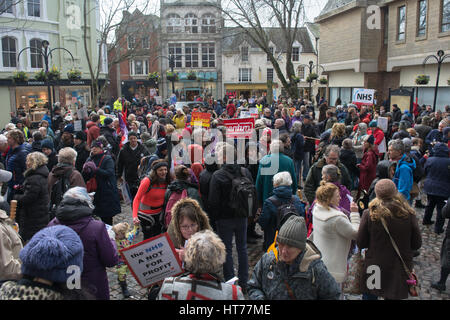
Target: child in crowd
[124, 238]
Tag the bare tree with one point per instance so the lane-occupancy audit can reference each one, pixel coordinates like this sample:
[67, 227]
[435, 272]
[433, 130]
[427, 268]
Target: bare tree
[258, 18]
[109, 25]
[7, 6]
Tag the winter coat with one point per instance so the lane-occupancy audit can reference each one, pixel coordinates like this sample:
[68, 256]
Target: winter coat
[204, 182]
[220, 190]
[297, 145]
[268, 218]
[382, 172]
[82, 155]
[179, 186]
[358, 144]
[10, 246]
[106, 198]
[26, 289]
[434, 134]
[100, 251]
[381, 253]
[111, 137]
[403, 177]
[349, 160]
[315, 176]
[333, 234]
[445, 249]
[75, 178]
[437, 170]
[422, 130]
[128, 161]
[16, 163]
[52, 161]
[270, 165]
[195, 287]
[309, 130]
[175, 234]
[396, 115]
[307, 277]
[180, 121]
[367, 169]
[33, 204]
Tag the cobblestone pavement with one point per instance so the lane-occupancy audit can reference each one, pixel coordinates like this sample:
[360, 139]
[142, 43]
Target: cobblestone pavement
[426, 265]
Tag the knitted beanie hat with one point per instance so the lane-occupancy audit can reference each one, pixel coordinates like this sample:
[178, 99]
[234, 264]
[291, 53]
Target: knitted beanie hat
[50, 252]
[293, 232]
[385, 189]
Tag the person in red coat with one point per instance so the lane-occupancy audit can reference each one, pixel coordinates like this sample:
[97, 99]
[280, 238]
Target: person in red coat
[231, 109]
[368, 165]
[378, 134]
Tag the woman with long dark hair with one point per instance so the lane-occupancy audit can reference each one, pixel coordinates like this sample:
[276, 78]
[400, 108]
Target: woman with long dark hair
[148, 204]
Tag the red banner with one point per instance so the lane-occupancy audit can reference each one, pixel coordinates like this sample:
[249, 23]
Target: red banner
[240, 128]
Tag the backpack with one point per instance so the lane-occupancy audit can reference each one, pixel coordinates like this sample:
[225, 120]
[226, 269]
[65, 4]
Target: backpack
[284, 210]
[91, 184]
[58, 190]
[174, 197]
[418, 172]
[144, 169]
[243, 196]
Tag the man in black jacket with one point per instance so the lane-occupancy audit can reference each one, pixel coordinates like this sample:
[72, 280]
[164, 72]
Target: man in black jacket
[128, 160]
[308, 131]
[110, 135]
[229, 222]
[81, 148]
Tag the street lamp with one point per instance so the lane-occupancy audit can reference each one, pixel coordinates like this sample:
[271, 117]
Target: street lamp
[171, 59]
[310, 67]
[439, 58]
[45, 54]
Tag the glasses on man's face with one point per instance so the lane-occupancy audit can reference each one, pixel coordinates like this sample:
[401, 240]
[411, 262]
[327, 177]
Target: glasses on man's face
[190, 226]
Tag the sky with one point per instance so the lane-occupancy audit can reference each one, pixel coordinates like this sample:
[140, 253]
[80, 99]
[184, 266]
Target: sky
[312, 7]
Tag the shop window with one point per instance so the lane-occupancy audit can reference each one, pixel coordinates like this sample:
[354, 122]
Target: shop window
[35, 53]
[34, 8]
[9, 52]
[190, 23]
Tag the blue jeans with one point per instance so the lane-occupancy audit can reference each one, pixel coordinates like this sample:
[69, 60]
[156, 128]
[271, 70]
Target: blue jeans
[368, 296]
[226, 228]
[298, 166]
[306, 165]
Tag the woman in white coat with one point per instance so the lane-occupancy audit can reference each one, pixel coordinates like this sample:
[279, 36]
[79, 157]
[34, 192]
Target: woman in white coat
[333, 230]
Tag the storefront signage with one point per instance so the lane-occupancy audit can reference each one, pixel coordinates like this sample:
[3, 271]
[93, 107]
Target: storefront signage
[240, 128]
[201, 119]
[363, 97]
[152, 260]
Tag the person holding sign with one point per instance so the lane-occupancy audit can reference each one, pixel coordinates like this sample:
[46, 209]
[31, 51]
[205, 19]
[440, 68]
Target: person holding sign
[204, 256]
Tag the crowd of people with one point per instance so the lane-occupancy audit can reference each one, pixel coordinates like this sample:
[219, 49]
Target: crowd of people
[324, 184]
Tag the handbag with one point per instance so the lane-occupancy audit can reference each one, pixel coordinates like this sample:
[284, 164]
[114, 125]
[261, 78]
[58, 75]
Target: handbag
[413, 281]
[91, 184]
[352, 284]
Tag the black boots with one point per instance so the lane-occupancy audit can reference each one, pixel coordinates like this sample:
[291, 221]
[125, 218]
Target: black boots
[123, 286]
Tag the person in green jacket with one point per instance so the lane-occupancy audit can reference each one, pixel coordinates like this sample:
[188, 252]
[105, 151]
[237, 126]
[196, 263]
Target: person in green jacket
[269, 166]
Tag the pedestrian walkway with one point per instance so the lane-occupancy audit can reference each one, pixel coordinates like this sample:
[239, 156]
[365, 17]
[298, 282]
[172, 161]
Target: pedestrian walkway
[426, 265]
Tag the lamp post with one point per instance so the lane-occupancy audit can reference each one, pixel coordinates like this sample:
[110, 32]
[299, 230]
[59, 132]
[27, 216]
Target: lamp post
[310, 67]
[46, 54]
[171, 59]
[441, 56]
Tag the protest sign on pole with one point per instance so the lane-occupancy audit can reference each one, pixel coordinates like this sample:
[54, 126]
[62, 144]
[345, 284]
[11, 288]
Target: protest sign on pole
[152, 260]
[253, 112]
[245, 114]
[158, 99]
[77, 125]
[201, 119]
[363, 96]
[240, 128]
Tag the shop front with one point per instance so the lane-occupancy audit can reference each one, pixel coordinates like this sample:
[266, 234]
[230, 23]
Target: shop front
[247, 90]
[139, 89]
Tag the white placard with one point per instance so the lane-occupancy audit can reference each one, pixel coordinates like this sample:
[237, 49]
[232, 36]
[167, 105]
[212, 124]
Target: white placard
[245, 114]
[382, 123]
[363, 96]
[152, 260]
[77, 126]
[158, 100]
[382, 146]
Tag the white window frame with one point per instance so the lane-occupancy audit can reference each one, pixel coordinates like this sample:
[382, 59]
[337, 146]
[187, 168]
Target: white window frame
[41, 36]
[145, 67]
[399, 24]
[174, 22]
[17, 52]
[178, 56]
[245, 55]
[13, 7]
[192, 45]
[301, 72]
[189, 25]
[146, 44]
[18, 35]
[31, 54]
[245, 74]
[131, 40]
[43, 10]
[210, 25]
[293, 54]
[209, 55]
